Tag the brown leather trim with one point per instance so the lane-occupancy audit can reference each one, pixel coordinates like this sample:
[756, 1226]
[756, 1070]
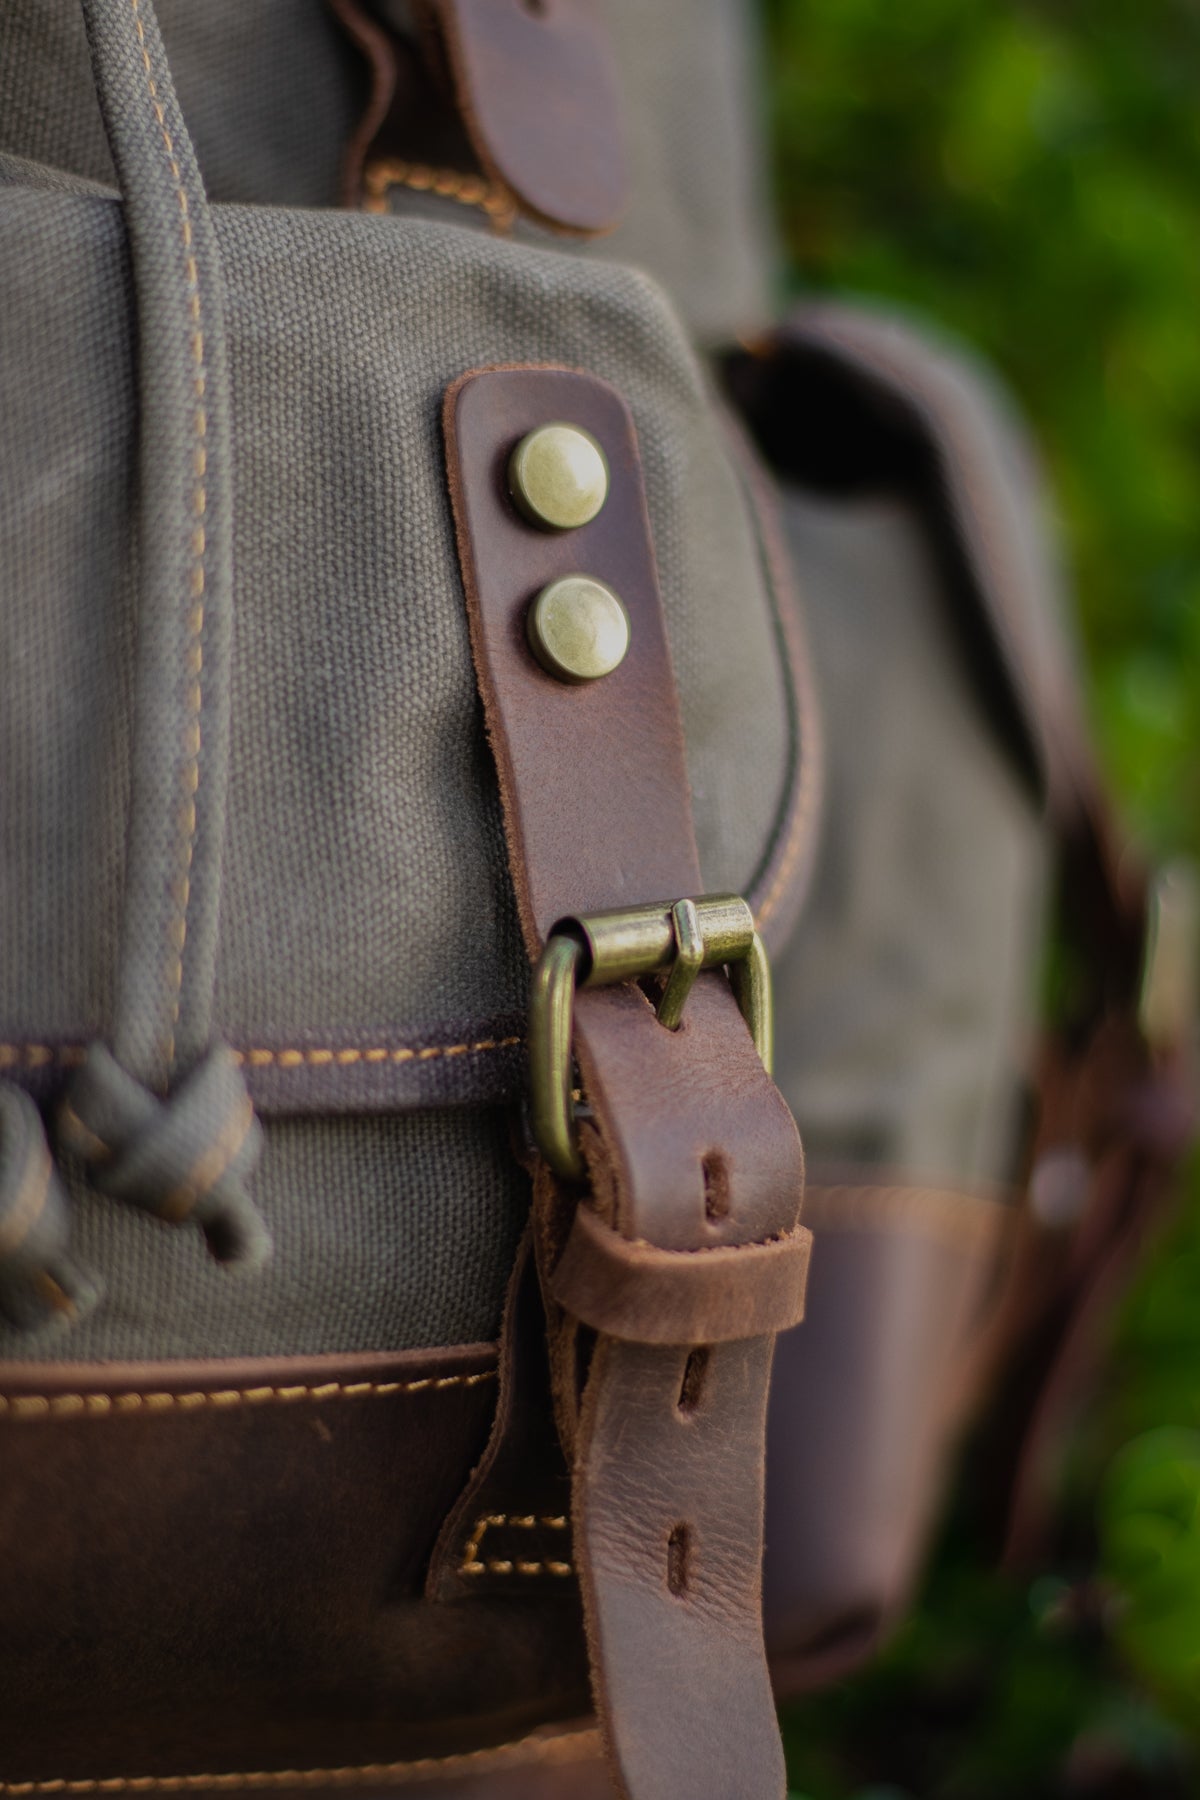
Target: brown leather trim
[510, 1530]
[595, 745]
[491, 1774]
[689, 1145]
[537, 89]
[635, 1291]
[219, 1567]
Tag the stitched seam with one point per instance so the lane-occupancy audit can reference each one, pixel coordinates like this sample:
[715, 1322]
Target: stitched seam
[46, 1406]
[325, 1058]
[781, 589]
[70, 1056]
[576, 1747]
[189, 778]
[475, 1563]
[448, 184]
[41, 1056]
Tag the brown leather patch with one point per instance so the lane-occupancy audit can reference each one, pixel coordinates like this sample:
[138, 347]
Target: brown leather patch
[217, 1567]
[592, 777]
[536, 85]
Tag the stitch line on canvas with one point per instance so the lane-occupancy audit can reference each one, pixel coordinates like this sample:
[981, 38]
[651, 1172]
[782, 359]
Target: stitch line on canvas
[447, 184]
[50, 1406]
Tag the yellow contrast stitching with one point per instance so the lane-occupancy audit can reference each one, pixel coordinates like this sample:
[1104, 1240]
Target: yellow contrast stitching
[325, 1058]
[47, 1406]
[569, 1747]
[70, 1056]
[190, 769]
[474, 1563]
[448, 184]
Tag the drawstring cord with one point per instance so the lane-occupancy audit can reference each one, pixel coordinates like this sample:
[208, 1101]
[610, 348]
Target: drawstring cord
[159, 1115]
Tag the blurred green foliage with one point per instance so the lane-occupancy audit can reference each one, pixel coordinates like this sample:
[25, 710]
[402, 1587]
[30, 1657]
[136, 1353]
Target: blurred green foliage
[1028, 175]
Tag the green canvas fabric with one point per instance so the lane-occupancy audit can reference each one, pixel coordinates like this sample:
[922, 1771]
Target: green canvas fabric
[272, 90]
[365, 880]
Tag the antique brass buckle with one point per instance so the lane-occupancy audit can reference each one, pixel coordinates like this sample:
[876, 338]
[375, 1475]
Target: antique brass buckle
[679, 939]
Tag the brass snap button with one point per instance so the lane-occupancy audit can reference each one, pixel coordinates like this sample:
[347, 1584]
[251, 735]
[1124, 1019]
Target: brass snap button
[558, 477]
[578, 629]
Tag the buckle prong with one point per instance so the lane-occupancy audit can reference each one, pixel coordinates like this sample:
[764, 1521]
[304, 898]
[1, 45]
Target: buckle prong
[680, 938]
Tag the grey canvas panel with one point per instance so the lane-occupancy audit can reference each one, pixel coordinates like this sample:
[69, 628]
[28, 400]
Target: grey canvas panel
[389, 1233]
[271, 91]
[366, 878]
[906, 1005]
[364, 855]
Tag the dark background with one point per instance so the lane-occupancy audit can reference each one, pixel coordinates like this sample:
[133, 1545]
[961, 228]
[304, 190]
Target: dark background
[1028, 176]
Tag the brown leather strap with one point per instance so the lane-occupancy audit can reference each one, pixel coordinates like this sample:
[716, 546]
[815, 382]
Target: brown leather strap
[690, 1149]
[521, 92]
[537, 88]
[632, 1290]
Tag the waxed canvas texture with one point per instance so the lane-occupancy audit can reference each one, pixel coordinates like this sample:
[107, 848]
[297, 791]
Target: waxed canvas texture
[905, 1004]
[272, 90]
[365, 874]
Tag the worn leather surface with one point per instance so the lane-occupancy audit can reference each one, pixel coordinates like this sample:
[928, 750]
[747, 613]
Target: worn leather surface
[594, 773]
[524, 93]
[865, 1401]
[510, 1530]
[633, 1290]
[537, 89]
[551, 1763]
[689, 1144]
[233, 1554]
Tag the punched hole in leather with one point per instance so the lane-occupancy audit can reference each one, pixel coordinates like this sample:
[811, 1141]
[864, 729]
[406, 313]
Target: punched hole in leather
[667, 1268]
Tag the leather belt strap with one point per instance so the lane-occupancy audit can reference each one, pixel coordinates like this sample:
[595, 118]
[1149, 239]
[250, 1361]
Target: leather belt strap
[691, 1152]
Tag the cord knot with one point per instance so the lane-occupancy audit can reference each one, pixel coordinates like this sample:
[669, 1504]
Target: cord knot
[183, 1158]
[38, 1280]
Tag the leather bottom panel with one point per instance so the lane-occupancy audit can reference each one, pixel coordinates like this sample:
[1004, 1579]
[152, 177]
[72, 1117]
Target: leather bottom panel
[865, 1399]
[218, 1567]
[558, 1763]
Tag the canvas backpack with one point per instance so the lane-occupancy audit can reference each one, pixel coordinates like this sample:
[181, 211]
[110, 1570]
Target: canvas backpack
[459, 656]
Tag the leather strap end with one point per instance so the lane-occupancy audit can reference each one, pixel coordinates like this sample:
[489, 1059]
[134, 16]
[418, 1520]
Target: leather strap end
[633, 1290]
